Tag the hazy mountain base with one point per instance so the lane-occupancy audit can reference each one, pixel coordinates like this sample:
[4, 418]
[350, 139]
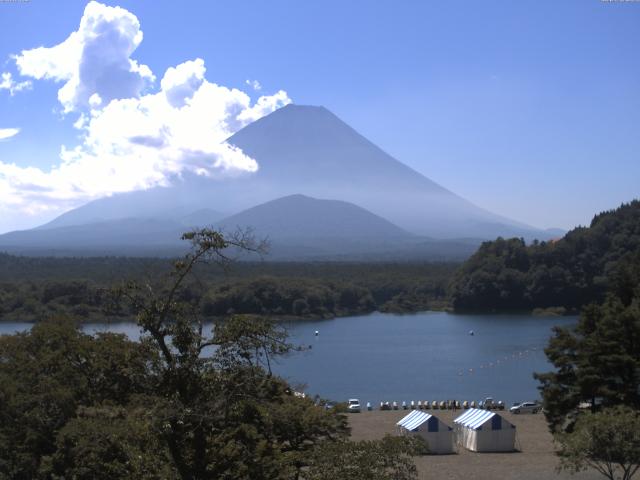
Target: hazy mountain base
[298, 228]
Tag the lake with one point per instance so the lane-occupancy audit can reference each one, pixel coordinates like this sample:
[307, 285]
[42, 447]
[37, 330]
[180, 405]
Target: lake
[422, 356]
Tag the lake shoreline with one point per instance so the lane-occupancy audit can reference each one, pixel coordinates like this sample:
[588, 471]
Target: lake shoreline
[402, 357]
[536, 312]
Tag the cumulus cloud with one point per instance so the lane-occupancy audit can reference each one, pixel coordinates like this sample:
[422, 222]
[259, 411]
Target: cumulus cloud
[180, 83]
[131, 138]
[93, 60]
[8, 83]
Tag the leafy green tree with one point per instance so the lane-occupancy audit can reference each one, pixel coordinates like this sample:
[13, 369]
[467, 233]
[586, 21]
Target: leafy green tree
[386, 459]
[598, 362]
[220, 415]
[108, 443]
[47, 374]
[607, 441]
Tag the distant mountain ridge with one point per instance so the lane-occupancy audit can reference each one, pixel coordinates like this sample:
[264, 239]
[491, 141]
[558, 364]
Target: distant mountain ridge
[300, 150]
[299, 216]
[297, 227]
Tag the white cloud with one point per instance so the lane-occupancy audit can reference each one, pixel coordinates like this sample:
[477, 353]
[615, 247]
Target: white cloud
[255, 84]
[131, 139]
[6, 133]
[8, 83]
[180, 83]
[95, 59]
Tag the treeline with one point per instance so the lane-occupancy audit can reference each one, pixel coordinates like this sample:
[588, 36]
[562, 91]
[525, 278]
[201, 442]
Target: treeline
[83, 288]
[567, 274]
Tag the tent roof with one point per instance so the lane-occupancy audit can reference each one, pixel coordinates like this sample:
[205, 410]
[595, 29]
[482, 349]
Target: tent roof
[414, 420]
[474, 418]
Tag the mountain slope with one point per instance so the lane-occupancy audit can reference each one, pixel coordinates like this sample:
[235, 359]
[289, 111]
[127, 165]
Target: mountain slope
[299, 216]
[139, 236]
[300, 150]
[312, 150]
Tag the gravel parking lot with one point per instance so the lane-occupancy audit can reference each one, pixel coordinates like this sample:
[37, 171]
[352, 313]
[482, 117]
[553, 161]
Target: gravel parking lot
[534, 460]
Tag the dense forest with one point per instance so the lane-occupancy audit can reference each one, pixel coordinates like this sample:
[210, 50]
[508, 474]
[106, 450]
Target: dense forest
[566, 274]
[35, 288]
[503, 275]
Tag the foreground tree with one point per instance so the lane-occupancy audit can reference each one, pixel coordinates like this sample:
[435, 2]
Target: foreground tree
[386, 459]
[597, 363]
[220, 411]
[47, 374]
[607, 441]
[106, 442]
[592, 399]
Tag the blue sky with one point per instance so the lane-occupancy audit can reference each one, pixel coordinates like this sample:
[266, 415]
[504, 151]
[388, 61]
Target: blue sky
[530, 109]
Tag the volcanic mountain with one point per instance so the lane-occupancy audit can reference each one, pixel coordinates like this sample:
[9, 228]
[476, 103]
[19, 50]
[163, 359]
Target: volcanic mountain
[300, 150]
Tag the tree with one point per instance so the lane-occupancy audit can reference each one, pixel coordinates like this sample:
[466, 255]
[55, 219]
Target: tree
[221, 415]
[188, 401]
[48, 374]
[608, 441]
[108, 443]
[598, 361]
[386, 459]
[597, 364]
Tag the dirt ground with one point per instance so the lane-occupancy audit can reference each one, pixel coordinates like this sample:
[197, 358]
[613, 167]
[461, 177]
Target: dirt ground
[535, 459]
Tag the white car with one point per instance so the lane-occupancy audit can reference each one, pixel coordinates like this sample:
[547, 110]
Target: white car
[526, 407]
[354, 405]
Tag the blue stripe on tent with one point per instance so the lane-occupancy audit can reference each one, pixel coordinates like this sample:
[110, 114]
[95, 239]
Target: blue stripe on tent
[496, 422]
[408, 418]
[476, 418]
[413, 420]
[480, 420]
[471, 417]
[462, 417]
[417, 421]
[432, 425]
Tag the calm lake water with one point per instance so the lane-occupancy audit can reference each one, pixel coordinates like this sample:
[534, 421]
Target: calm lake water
[423, 356]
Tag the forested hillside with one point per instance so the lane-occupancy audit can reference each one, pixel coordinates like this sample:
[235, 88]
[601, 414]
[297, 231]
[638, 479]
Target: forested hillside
[568, 273]
[35, 288]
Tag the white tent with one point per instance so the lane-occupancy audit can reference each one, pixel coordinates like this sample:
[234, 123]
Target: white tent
[484, 431]
[438, 435]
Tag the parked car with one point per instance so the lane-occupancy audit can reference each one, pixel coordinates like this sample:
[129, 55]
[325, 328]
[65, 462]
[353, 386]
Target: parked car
[526, 407]
[354, 405]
